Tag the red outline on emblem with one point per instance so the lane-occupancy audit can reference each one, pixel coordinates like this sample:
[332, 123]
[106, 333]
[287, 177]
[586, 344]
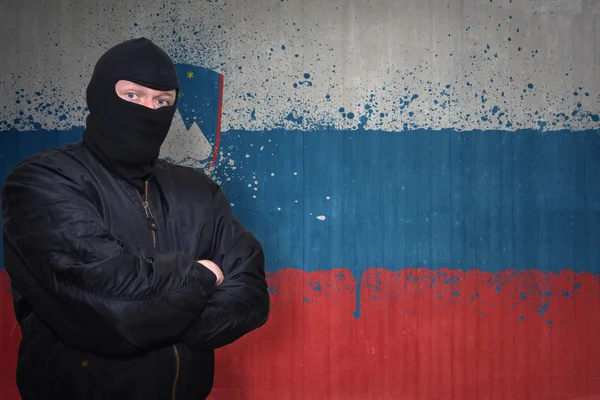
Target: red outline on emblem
[218, 135]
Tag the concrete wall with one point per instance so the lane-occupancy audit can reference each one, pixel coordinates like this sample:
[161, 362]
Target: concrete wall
[423, 176]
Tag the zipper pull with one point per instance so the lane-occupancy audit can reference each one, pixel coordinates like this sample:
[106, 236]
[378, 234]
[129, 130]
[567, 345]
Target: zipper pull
[149, 214]
[152, 223]
[146, 205]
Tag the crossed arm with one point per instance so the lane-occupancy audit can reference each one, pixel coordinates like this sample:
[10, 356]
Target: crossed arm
[99, 298]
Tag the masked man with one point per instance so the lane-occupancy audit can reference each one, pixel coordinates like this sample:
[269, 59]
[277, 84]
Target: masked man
[127, 271]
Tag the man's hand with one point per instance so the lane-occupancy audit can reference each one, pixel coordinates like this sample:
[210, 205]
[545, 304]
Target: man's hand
[215, 269]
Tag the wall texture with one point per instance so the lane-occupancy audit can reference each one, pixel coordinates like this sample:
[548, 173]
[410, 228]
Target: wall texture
[424, 176]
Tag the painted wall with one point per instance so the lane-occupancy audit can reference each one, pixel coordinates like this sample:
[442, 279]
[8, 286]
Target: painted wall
[423, 176]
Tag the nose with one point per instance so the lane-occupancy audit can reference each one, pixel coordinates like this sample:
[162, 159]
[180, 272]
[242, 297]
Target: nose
[148, 102]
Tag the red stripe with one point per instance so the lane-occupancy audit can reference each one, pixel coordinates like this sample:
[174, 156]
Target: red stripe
[10, 336]
[422, 334]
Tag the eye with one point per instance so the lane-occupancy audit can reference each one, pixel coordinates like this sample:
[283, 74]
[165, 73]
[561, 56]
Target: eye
[131, 96]
[163, 103]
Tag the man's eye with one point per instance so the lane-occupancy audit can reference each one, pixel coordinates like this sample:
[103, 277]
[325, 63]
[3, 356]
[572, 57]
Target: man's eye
[131, 96]
[163, 103]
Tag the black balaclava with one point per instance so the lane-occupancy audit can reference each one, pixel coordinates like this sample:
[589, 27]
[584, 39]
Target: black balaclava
[124, 135]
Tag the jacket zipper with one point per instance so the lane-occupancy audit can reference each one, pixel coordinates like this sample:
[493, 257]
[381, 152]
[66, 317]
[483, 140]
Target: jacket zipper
[154, 227]
[149, 215]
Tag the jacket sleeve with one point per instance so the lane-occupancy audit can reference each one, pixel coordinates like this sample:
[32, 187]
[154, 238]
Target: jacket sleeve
[75, 275]
[241, 303]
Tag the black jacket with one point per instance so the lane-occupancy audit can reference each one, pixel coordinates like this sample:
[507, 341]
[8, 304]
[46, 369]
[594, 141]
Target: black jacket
[110, 299]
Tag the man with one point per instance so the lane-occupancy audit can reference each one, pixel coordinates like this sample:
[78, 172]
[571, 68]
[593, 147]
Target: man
[127, 271]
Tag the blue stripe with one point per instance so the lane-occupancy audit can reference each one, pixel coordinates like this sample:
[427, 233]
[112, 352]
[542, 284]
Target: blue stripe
[486, 200]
